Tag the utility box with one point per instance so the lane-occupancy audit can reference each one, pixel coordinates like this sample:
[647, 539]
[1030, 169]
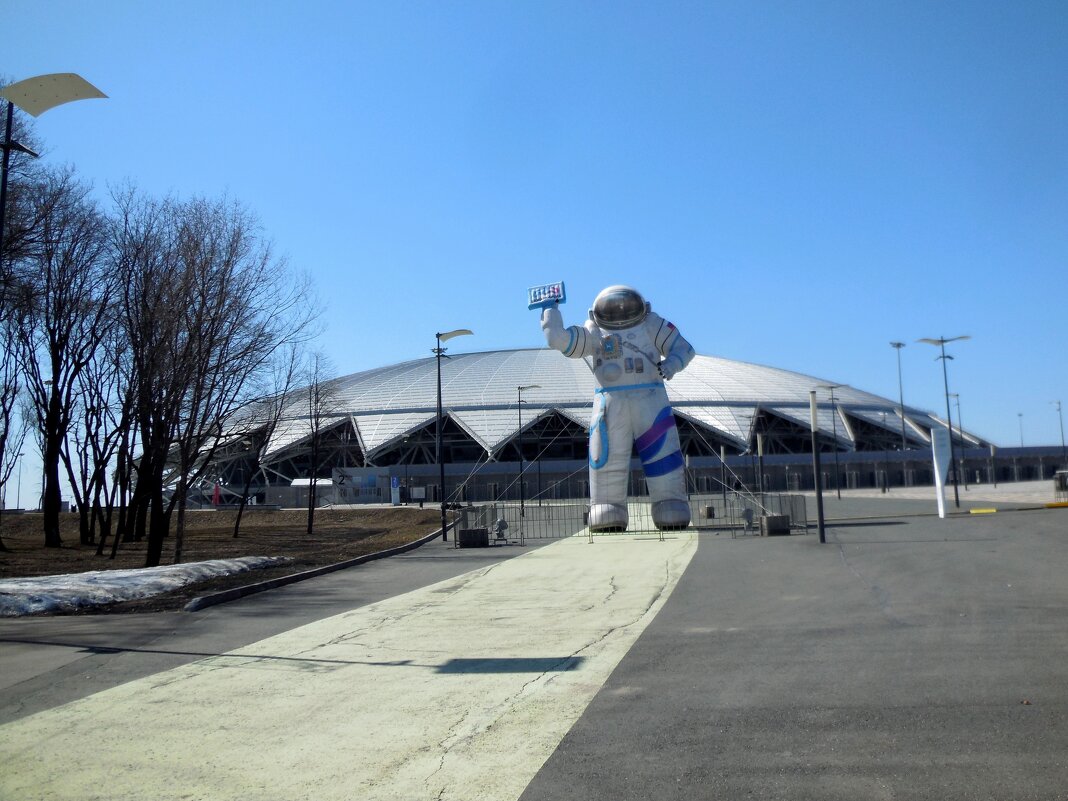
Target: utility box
[774, 525]
[474, 538]
[1060, 485]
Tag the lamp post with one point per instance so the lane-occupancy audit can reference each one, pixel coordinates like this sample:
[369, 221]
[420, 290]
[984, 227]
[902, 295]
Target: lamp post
[886, 463]
[35, 96]
[941, 343]
[900, 391]
[1020, 415]
[522, 513]
[439, 352]
[960, 433]
[816, 470]
[1060, 418]
[834, 429]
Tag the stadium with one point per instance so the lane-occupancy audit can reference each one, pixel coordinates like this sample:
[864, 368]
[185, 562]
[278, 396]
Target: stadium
[739, 423]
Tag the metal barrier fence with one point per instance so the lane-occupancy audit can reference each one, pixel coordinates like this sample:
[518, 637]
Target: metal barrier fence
[506, 522]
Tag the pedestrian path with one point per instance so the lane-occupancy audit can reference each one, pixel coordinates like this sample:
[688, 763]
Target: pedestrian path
[459, 690]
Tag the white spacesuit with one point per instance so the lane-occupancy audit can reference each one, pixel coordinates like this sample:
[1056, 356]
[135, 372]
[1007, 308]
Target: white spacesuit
[633, 351]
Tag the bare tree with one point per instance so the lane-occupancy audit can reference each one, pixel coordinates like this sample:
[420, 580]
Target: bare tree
[65, 318]
[264, 419]
[13, 426]
[90, 447]
[206, 305]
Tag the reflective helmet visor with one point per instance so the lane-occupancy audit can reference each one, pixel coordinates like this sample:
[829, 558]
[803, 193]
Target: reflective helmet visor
[619, 307]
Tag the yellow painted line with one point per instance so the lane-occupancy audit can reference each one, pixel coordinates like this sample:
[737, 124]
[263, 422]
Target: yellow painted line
[982, 511]
[1057, 505]
[459, 690]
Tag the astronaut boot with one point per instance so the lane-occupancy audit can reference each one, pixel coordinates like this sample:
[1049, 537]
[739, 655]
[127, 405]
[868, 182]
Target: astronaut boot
[671, 515]
[608, 517]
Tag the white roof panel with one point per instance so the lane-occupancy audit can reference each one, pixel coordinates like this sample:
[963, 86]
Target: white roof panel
[479, 390]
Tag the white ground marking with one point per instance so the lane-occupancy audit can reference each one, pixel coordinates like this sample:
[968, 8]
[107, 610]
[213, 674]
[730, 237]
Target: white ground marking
[460, 690]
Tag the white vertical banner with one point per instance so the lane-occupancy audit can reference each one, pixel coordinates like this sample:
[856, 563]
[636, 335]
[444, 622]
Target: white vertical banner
[940, 448]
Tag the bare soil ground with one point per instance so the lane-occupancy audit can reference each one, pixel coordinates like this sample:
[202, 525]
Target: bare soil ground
[338, 535]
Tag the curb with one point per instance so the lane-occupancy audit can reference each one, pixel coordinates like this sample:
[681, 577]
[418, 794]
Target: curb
[215, 598]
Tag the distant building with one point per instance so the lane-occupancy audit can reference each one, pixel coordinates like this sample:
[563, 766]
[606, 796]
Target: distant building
[384, 420]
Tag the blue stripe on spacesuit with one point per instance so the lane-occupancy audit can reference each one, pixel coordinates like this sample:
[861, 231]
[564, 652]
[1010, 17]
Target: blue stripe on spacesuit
[628, 386]
[662, 467]
[602, 431]
[570, 343]
[653, 440]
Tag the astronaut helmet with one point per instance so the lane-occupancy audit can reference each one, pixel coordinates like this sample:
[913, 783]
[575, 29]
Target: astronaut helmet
[619, 307]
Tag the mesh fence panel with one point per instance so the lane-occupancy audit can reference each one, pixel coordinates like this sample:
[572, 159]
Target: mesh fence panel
[509, 522]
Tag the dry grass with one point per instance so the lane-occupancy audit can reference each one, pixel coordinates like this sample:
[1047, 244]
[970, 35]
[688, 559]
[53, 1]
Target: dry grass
[338, 535]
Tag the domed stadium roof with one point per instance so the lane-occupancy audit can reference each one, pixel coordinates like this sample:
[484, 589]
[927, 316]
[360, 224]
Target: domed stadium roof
[719, 403]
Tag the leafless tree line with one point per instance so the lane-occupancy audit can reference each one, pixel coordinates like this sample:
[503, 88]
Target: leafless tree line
[133, 335]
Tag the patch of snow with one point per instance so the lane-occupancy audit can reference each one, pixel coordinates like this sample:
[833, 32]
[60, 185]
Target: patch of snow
[73, 591]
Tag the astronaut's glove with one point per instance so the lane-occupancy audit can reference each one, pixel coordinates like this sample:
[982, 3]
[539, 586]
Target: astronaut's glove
[669, 367]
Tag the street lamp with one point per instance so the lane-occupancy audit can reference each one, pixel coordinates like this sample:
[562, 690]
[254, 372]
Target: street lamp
[816, 469]
[1020, 415]
[520, 391]
[960, 432]
[941, 343]
[35, 96]
[900, 391]
[834, 429]
[1060, 417]
[439, 352]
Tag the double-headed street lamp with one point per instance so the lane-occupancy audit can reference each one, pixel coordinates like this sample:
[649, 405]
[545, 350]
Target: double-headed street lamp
[941, 343]
[520, 391]
[1060, 418]
[901, 392]
[960, 433]
[439, 352]
[834, 429]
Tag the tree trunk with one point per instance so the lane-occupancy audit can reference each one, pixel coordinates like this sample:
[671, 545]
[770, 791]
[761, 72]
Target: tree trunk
[311, 505]
[244, 500]
[50, 504]
[85, 526]
[157, 527]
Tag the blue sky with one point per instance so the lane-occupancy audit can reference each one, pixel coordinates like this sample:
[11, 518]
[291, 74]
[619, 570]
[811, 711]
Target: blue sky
[792, 183]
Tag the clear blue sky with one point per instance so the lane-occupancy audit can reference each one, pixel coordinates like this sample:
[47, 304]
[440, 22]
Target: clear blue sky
[792, 183]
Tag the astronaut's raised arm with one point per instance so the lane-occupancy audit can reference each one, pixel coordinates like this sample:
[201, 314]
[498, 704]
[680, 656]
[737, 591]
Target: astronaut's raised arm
[574, 341]
[677, 352]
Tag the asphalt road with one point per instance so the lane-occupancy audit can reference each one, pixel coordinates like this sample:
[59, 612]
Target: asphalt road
[907, 658]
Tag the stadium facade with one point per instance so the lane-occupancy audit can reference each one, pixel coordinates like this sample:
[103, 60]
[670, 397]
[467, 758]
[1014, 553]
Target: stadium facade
[738, 422]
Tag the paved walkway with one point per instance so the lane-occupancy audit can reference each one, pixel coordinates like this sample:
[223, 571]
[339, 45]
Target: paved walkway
[461, 689]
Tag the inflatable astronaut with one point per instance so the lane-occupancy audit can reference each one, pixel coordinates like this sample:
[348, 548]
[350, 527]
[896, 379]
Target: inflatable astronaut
[633, 351]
